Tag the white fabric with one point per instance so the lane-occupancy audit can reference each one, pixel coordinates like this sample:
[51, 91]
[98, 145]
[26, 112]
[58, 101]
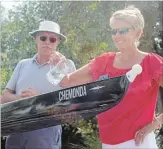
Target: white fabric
[49, 26]
[149, 143]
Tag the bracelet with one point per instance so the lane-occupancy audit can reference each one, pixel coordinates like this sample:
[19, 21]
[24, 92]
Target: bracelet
[160, 125]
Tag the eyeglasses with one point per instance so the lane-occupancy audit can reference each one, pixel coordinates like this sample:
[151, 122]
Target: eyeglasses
[44, 38]
[121, 31]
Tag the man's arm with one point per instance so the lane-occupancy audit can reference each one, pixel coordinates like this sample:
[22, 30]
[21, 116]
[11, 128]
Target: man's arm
[8, 96]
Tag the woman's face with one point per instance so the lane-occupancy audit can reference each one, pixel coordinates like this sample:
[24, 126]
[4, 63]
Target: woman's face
[123, 34]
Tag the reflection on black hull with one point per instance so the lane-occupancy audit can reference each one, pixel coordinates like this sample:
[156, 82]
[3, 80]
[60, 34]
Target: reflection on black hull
[63, 106]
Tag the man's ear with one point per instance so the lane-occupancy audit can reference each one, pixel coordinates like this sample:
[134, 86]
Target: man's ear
[36, 39]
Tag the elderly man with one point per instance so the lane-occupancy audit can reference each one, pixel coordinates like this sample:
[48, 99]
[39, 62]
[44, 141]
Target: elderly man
[29, 79]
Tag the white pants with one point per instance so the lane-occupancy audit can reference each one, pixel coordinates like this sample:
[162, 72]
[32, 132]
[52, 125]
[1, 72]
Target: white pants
[149, 143]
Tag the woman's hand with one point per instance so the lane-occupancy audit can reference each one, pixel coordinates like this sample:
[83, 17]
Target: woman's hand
[142, 133]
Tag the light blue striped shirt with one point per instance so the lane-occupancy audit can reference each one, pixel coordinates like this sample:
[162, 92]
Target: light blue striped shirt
[30, 74]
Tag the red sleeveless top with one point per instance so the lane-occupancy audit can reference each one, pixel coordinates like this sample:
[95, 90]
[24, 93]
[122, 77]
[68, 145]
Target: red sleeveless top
[137, 108]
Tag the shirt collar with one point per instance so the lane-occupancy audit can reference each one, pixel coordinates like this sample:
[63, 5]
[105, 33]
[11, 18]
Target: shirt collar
[34, 60]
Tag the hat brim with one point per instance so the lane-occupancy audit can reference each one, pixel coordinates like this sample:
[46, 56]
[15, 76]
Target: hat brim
[33, 34]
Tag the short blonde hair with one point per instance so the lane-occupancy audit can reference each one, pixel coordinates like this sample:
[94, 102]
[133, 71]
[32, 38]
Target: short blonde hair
[131, 15]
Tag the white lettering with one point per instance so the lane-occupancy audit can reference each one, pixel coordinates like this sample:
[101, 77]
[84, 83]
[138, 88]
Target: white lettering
[72, 93]
[66, 94]
[60, 96]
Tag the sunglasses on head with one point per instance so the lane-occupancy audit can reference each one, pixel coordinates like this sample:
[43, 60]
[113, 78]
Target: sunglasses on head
[51, 39]
[121, 31]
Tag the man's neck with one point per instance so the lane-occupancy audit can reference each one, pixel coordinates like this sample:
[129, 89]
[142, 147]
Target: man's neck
[42, 59]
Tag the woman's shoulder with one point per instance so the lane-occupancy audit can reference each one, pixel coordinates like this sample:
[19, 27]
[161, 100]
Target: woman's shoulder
[106, 55]
[154, 65]
[155, 56]
[154, 59]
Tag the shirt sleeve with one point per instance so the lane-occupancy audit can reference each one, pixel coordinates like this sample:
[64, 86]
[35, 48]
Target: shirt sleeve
[98, 66]
[156, 65]
[14, 78]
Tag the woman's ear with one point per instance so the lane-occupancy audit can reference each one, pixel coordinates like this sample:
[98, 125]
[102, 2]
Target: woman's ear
[139, 33]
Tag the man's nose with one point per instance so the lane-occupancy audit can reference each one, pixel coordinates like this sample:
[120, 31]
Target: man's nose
[47, 41]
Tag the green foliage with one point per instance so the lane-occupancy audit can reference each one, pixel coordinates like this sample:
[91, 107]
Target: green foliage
[84, 23]
[5, 75]
[93, 141]
[6, 71]
[72, 138]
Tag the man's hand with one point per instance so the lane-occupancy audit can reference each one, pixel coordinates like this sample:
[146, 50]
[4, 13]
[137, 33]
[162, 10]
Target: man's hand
[56, 57]
[29, 93]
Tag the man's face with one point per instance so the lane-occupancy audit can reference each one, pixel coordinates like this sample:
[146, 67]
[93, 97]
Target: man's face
[47, 43]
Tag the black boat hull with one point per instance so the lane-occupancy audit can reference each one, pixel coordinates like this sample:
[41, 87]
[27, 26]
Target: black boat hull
[62, 106]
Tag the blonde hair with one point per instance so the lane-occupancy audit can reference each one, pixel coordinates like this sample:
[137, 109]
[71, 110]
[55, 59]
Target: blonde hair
[131, 15]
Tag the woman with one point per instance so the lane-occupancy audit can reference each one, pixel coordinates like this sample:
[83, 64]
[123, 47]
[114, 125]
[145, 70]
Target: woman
[131, 123]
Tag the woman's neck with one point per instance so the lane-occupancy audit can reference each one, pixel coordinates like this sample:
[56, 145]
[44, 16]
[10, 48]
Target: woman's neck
[125, 55]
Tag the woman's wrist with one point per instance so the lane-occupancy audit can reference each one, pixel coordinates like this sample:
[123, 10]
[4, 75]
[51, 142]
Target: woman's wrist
[161, 118]
[158, 122]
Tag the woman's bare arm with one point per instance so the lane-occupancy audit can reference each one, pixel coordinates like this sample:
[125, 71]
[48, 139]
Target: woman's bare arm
[78, 77]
